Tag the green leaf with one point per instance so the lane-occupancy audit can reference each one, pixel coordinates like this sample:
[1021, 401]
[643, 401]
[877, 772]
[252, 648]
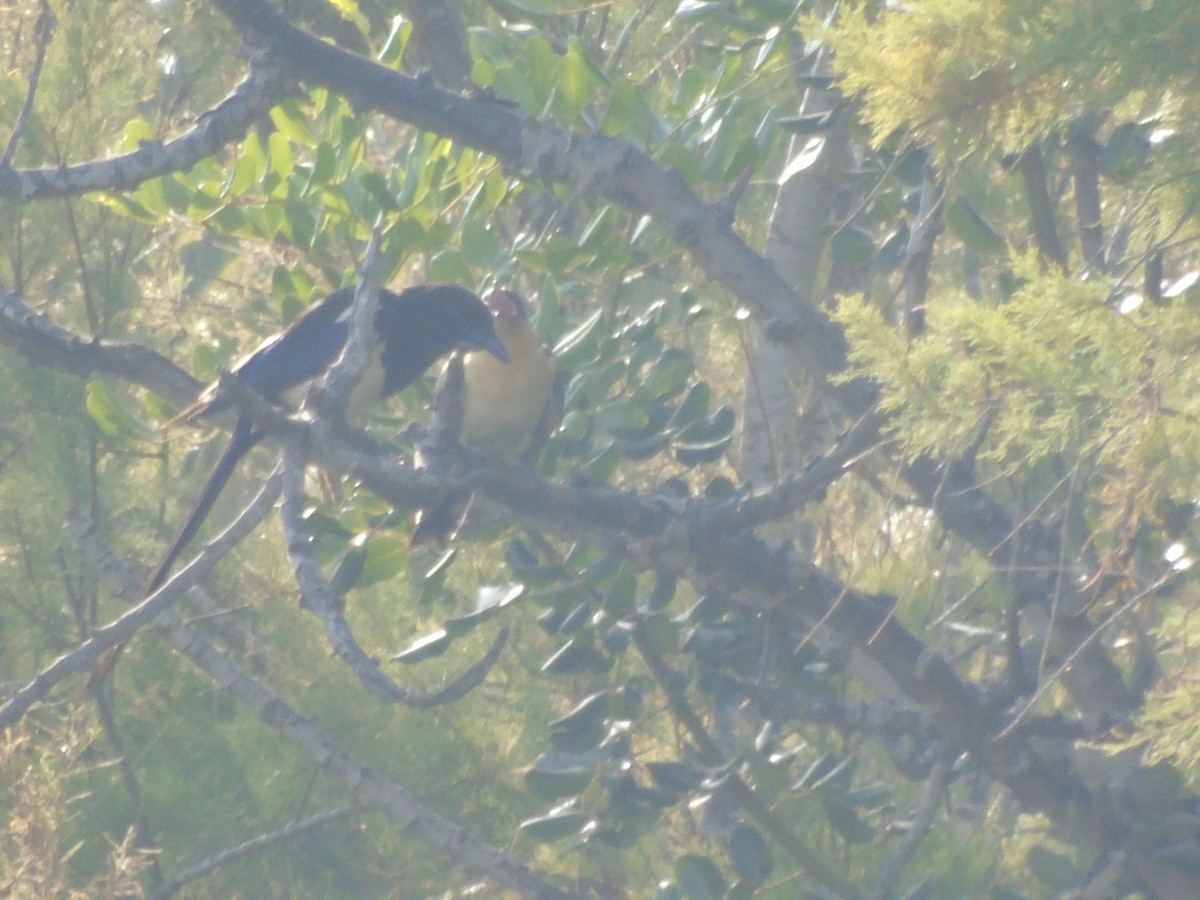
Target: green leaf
[852, 246]
[693, 407]
[375, 186]
[669, 375]
[579, 79]
[580, 741]
[659, 634]
[973, 229]
[241, 178]
[847, 822]
[552, 785]
[203, 261]
[426, 647]
[283, 162]
[489, 601]
[697, 10]
[393, 46]
[628, 114]
[136, 131]
[300, 223]
[622, 416]
[579, 344]
[588, 712]
[679, 778]
[1126, 152]
[291, 122]
[712, 428]
[1054, 870]
[813, 123]
[617, 636]
[346, 576]
[112, 417]
[576, 655]
[644, 448]
[698, 453]
[662, 593]
[124, 205]
[480, 245]
[555, 825]
[386, 557]
[750, 855]
[699, 878]
[205, 362]
[450, 266]
[324, 165]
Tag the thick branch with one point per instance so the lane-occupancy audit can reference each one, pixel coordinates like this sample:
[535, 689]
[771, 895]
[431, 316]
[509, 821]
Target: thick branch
[614, 168]
[1085, 173]
[1041, 207]
[224, 123]
[39, 340]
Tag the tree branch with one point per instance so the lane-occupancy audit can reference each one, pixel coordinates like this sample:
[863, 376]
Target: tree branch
[918, 255]
[120, 630]
[40, 341]
[225, 122]
[1084, 153]
[232, 854]
[1041, 209]
[365, 785]
[44, 31]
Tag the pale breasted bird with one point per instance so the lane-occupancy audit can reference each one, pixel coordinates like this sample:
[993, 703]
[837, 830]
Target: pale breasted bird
[508, 409]
[412, 329]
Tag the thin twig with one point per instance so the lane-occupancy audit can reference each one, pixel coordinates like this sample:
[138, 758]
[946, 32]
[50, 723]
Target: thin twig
[43, 32]
[921, 822]
[232, 854]
[143, 834]
[318, 597]
[918, 255]
[363, 782]
[83, 657]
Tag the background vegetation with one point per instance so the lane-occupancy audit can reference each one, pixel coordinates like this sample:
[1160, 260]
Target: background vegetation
[860, 565]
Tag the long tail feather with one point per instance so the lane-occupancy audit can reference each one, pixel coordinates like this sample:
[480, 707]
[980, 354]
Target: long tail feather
[244, 438]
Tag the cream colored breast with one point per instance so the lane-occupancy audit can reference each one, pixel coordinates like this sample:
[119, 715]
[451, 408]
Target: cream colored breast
[506, 400]
[367, 392]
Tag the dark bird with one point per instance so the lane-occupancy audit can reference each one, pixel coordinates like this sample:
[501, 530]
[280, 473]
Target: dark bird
[508, 411]
[412, 329]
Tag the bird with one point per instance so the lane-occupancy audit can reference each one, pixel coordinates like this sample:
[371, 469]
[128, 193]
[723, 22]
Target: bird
[508, 410]
[412, 329]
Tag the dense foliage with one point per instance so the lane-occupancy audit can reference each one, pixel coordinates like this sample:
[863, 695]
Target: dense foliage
[860, 564]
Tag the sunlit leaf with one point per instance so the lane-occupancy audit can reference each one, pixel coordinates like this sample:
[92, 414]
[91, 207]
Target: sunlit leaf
[113, 416]
[431, 645]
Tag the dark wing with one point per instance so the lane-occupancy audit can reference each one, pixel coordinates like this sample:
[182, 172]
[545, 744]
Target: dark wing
[300, 352]
[303, 351]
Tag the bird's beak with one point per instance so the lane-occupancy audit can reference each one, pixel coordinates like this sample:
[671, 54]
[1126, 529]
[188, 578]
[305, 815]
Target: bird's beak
[489, 342]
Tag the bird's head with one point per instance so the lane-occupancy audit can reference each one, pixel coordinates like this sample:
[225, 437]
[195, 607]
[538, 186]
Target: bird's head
[426, 321]
[505, 304]
[471, 320]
